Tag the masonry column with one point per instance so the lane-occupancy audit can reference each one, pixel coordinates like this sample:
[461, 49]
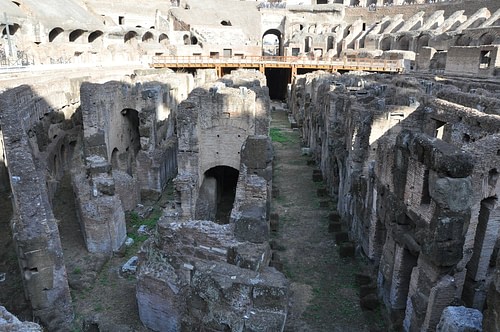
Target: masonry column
[34, 227]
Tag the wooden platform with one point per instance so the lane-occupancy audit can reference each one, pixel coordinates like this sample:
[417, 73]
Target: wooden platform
[293, 63]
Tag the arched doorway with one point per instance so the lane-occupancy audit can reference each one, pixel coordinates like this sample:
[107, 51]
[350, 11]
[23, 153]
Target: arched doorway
[130, 141]
[385, 43]
[55, 34]
[272, 43]
[403, 43]
[216, 195]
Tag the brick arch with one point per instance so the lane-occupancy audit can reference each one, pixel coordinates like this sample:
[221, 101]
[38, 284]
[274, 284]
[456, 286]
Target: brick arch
[277, 33]
[385, 43]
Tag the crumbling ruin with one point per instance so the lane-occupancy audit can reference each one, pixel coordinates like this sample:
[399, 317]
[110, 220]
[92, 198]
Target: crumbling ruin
[409, 161]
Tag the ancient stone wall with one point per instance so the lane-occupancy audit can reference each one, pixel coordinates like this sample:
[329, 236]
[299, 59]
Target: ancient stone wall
[404, 167]
[212, 125]
[129, 151]
[197, 274]
[41, 130]
[34, 227]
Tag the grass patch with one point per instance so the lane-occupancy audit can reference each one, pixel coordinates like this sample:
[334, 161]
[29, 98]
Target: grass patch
[277, 135]
[134, 221]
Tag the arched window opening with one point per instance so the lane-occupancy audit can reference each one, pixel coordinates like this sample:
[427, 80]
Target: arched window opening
[75, 35]
[216, 196]
[329, 43]
[94, 36]
[422, 41]
[129, 36]
[404, 43]
[385, 44]
[12, 29]
[307, 44]
[132, 130]
[55, 34]
[272, 43]
[148, 37]
[163, 39]
[464, 40]
[187, 40]
[486, 39]
[114, 159]
[194, 40]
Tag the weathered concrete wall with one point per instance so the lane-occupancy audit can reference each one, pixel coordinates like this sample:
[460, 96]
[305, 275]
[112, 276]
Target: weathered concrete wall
[405, 170]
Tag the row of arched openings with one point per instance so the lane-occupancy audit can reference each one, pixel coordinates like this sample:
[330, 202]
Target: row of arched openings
[57, 34]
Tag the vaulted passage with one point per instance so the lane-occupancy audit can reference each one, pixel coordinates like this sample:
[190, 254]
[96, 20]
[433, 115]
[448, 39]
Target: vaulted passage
[217, 193]
[277, 81]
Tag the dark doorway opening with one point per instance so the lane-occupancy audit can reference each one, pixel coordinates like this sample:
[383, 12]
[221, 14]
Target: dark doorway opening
[132, 129]
[226, 179]
[277, 81]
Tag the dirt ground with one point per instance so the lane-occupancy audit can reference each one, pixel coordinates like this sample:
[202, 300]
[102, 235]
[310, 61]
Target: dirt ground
[324, 295]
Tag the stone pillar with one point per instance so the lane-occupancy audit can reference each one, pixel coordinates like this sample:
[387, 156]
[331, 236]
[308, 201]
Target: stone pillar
[252, 201]
[441, 295]
[403, 266]
[34, 228]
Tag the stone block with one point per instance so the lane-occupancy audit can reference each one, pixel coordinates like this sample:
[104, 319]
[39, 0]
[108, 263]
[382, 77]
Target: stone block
[250, 256]
[311, 162]
[130, 267]
[460, 319]
[104, 184]
[252, 225]
[451, 193]
[257, 152]
[272, 293]
[260, 320]
[324, 204]
[97, 164]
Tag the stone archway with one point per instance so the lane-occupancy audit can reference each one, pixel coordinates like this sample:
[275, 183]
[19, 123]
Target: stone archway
[217, 193]
[272, 43]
